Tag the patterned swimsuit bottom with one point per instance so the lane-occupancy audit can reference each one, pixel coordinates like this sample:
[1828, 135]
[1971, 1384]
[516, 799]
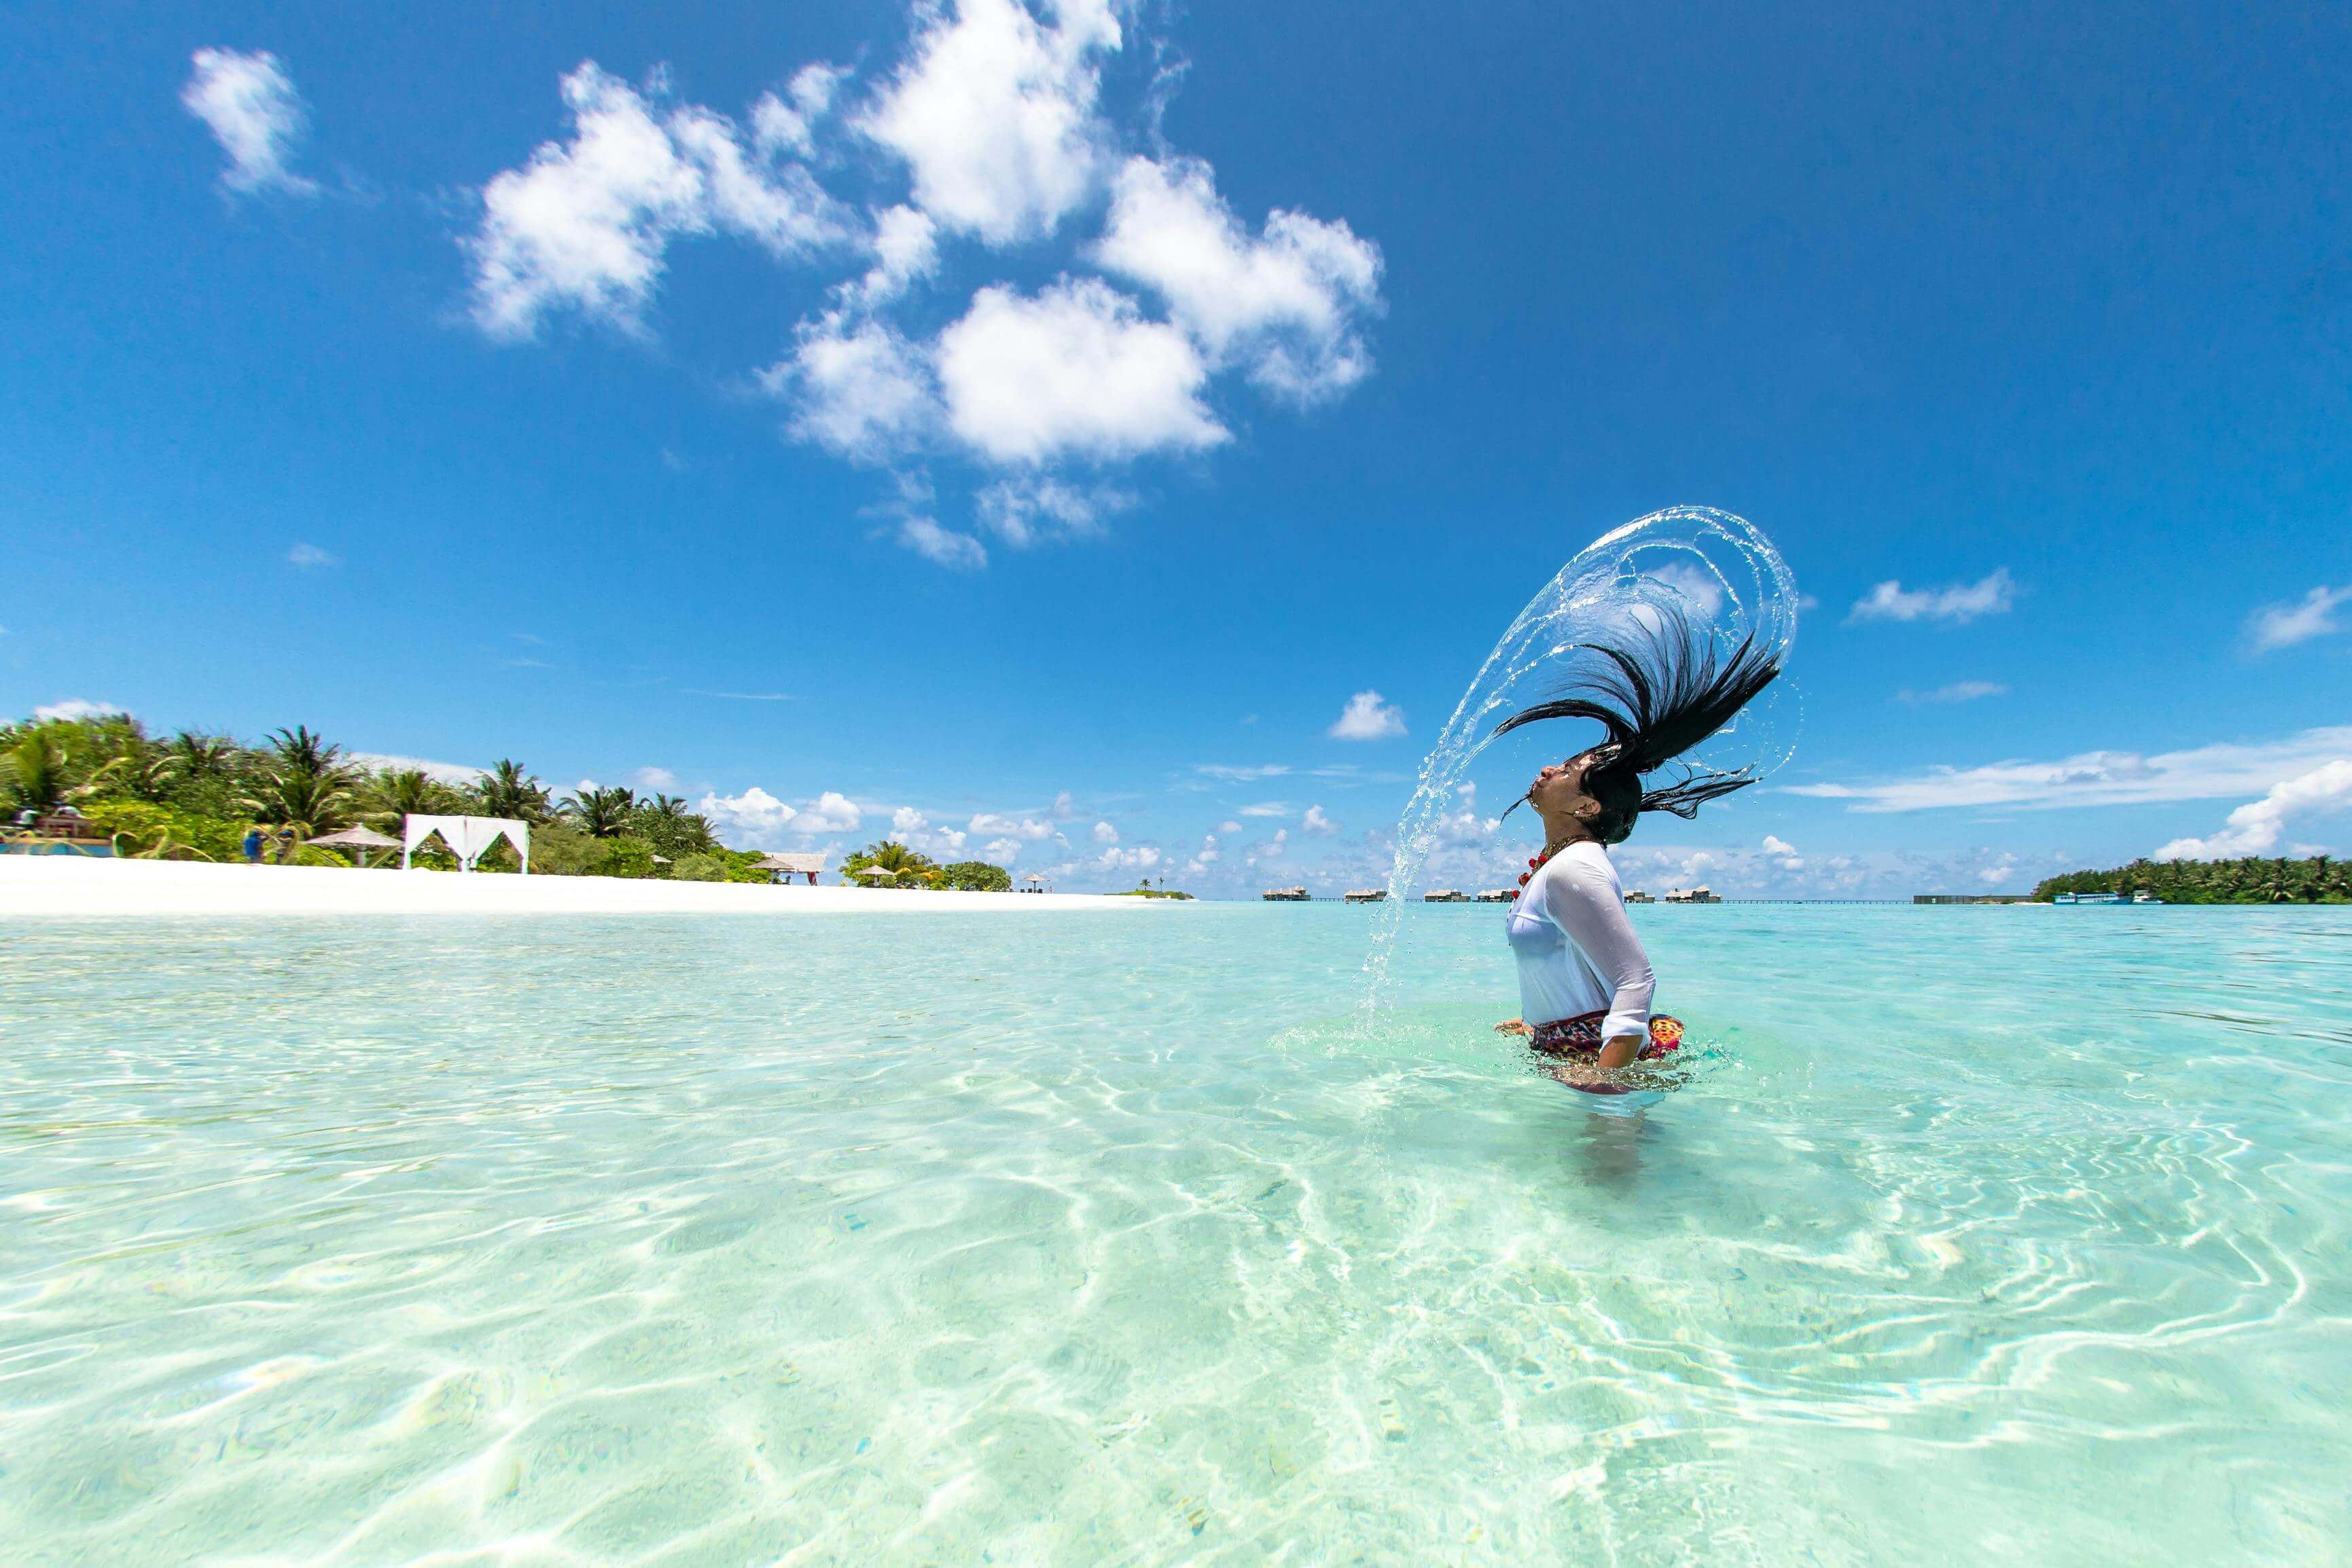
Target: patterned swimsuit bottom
[1579, 1038]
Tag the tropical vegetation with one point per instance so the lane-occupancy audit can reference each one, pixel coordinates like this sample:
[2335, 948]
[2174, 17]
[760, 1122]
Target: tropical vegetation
[912, 869]
[192, 797]
[2253, 880]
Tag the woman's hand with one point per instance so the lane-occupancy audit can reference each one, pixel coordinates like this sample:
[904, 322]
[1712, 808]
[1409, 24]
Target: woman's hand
[1514, 1027]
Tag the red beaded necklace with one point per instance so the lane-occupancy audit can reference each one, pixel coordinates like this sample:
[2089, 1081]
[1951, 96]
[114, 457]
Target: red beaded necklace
[1536, 862]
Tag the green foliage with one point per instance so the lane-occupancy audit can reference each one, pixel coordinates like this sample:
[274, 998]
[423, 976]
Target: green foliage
[558, 850]
[623, 858]
[305, 783]
[602, 812]
[33, 772]
[1154, 893]
[145, 830]
[978, 877]
[698, 868]
[507, 789]
[396, 793]
[2248, 881]
[663, 821]
[911, 867]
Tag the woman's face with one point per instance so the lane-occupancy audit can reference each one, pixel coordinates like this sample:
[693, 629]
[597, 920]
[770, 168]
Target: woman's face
[1559, 790]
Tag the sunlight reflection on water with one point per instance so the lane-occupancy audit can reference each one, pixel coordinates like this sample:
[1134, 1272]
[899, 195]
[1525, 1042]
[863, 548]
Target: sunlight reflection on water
[2009, 1233]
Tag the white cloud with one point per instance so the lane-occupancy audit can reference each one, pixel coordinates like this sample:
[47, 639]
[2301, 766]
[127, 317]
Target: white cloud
[249, 104]
[1789, 858]
[74, 707]
[2283, 626]
[859, 388]
[942, 546]
[755, 818]
[1702, 589]
[439, 773]
[758, 820]
[1229, 827]
[586, 222]
[1129, 859]
[1367, 718]
[1003, 851]
[658, 779]
[829, 813]
[1251, 774]
[1267, 809]
[913, 829]
[2254, 827]
[1958, 691]
[2100, 778]
[1106, 834]
[1065, 808]
[1316, 822]
[1075, 372]
[1034, 508]
[906, 248]
[778, 127]
[1964, 602]
[309, 555]
[1285, 303]
[1024, 829]
[993, 113]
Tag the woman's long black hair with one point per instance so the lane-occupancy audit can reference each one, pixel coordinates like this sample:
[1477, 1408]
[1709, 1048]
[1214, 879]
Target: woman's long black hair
[1658, 693]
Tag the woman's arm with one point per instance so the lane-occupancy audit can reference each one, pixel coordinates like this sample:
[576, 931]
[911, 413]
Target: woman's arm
[1585, 903]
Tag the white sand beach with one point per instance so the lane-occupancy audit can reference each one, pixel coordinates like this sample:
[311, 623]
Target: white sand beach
[66, 884]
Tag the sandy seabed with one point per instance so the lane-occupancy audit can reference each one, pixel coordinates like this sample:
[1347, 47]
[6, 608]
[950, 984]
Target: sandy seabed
[69, 885]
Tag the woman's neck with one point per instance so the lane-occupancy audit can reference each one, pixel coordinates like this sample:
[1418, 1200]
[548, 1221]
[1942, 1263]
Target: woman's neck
[1561, 832]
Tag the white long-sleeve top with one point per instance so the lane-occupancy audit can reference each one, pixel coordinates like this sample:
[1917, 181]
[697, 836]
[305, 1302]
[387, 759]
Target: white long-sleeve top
[1576, 952]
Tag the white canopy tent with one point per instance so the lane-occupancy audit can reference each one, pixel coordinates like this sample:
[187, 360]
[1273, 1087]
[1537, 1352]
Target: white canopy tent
[468, 837]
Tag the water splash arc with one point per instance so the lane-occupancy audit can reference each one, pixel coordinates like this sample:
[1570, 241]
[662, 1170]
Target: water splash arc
[1716, 568]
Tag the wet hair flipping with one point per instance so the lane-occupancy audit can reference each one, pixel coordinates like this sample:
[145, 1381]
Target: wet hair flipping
[1661, 692]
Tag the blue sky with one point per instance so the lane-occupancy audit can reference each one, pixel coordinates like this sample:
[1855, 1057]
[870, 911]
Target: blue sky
[1039, 426]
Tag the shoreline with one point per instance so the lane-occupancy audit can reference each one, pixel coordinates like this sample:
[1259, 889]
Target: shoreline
[69, 887]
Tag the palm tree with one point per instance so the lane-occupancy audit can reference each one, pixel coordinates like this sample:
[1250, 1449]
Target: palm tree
[507, 790]
[892, 857]
[198, 757]
[602, 812]
[392, 794]
[304, 783]
[33, 772]
[663, 821]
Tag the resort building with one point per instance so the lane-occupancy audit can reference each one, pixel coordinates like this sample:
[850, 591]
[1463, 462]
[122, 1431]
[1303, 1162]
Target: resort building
[1368, 896]
[1497, 896]
[64, 831]
[1701, 894]
[1285, 895]
[784, 868]
[1445, 896]
[1639, 897]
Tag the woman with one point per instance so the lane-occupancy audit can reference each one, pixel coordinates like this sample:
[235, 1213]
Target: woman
[1585, 983]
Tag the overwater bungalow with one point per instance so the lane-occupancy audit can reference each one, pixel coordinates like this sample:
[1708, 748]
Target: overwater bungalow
[1445, 896]
[1285, 895]
[1698, 895]
[1368, 896]
[1497, 896]
[1639, 897]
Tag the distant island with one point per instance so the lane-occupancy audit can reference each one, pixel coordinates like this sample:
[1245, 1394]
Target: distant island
[2318, 880]
[194, 795]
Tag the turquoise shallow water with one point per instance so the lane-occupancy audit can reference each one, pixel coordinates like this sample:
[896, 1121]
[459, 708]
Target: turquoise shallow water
[1978, 1234]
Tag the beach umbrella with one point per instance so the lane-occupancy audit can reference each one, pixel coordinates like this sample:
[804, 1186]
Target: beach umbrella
[878, 871]
[359, 840]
